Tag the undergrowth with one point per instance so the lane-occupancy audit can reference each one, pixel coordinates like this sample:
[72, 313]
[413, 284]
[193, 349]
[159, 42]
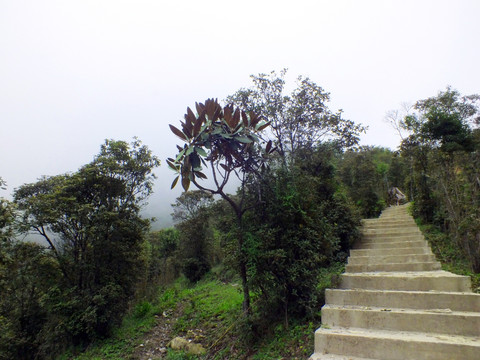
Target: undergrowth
[209, 313]
[446, 252]
[449, 255]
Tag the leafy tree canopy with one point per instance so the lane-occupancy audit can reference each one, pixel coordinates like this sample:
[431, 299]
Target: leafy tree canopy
[188, 204]
[444, 121]
[299, 119]
[90, 220]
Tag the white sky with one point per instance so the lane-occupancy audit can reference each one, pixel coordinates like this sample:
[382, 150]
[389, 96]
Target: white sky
[73, 73]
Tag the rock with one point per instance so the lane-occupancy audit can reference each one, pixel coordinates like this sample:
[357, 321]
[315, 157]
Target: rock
[178, 343]
[192, 348]
[195, 349]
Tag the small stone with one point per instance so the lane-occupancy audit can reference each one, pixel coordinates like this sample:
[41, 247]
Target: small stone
[195, 349]
[178, 343]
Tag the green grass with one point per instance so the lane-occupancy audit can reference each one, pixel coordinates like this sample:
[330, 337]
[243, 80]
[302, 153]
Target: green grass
[123, 341]
[210, 313]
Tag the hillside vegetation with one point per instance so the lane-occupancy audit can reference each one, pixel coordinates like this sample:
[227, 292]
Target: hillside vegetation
[242, 275]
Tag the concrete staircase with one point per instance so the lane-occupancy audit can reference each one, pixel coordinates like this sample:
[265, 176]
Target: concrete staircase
[394, 302]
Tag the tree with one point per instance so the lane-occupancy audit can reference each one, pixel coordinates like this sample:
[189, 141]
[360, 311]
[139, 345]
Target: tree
[443, 150]
[191, 211]
[163, 245]
[27, 275]
[188, 205]
[396, 119]
[300, 119]
[225, 140]
[363, 180]
[444, 121]
[300, 225]
[91, 222]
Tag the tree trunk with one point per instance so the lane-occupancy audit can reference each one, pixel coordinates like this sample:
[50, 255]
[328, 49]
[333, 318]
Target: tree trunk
[243, 265]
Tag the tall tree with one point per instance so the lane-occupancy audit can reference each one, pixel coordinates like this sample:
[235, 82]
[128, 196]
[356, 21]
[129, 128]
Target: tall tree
[299, 119]
[225, 140]
[188, 205]
[91, 222]
[443, 150]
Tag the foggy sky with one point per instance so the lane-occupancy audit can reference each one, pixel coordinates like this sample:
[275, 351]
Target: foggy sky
[73, 73]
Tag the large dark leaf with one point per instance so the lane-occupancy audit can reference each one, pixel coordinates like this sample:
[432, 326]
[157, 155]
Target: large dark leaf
[174, 183]
[200, 108]
[187, 128]
[172, 166]
[200, 174]
[245, 119]
[190, 116]
[225, 167]
[268, 147]
[185, 183]
[254, 119]
[198, 125]
[177, 132]
[261, 127]
[210, 108]
[236, 118]
[227, 114]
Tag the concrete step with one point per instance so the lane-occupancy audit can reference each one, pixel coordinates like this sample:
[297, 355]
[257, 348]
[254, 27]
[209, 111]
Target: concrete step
[398, 251]
[335, 357]
[395, 345]
[400, 224]
[423, 266]
[454, 301]
[391, 244]
[390, 232]
[391, 259]
[413, 281]
[442, 321]
[394, 217]
[388, 223]
[386, 238]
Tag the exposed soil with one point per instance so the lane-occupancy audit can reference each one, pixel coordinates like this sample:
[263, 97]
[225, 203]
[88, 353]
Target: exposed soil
[154, 345]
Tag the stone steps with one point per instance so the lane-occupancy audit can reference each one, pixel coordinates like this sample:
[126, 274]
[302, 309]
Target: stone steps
[455, 301]
[424, 266]
[399, 251]
[401, 319]
[393, 244]
[395, 345]
[394, 302]
[412, 281]
[388, 259]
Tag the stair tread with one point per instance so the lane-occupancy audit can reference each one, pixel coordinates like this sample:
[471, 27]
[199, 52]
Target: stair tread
[367, 308]
[408, 274]
[336, 357]
[403, 335]
[430, 292]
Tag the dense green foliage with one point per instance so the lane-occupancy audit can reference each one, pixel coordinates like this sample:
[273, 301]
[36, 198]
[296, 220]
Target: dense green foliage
[300, 225]
[443, 154]
[78, 288]
[367, 174]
